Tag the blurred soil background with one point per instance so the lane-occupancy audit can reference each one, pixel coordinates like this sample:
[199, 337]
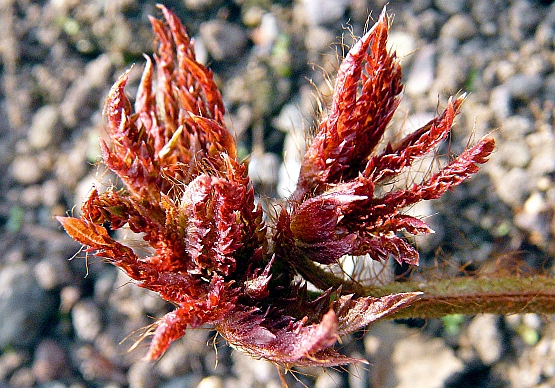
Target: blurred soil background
[64, 323]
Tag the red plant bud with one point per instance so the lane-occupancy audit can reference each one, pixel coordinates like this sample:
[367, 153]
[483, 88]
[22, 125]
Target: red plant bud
[212, 256]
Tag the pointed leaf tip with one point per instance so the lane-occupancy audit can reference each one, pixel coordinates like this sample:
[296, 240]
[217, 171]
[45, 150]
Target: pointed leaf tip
[84, 232]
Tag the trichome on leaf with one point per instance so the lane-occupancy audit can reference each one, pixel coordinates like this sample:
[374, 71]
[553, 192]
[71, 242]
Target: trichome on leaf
[213, 254]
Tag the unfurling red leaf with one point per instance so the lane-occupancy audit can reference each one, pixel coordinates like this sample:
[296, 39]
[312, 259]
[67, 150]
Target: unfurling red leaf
[308, 345]
[366, 93]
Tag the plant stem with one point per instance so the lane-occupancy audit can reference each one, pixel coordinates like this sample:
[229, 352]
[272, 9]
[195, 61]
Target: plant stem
[462, 295]
[475, 295]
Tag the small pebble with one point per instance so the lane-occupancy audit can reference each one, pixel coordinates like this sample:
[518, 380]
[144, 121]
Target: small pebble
[23, 378]
[516, 127]
[400, 357]
[26, 170]
[524, 87]
[264, 168]
[98, 71]
[451, 7]
[142, 375]
[31, 196]
[318, 39]
[45, 125]
[514, 154]
[330, 379]
[87, 320]
[52, 272]
[223, 40]
[402, 43]
[500, 103]
[50, 193]
[10, 360]
[24, 304]
[485, 337]
[265, 35]
[211, 382]
[94, 366]
[511, 186]
[421, 74]
[252, 372]
[50, 361]
[69, 297]
[522, 27]
[322, 12]
[201, 5]
[459, 27]
[182, 381]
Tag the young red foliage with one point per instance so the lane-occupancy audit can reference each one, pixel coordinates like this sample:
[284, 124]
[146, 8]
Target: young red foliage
[191, 199]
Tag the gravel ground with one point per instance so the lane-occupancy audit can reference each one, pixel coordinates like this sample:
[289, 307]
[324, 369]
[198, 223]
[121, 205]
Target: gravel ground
[68, 324]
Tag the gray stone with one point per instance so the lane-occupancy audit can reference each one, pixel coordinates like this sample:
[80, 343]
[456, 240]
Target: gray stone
[183, 354]
[87, 320]
[24, 304]
[180, 382]
[223, 40]
[450, 7]
[543, 163]
[511, 186]
[534, 218]
[403, 44]
[459, 27]
[83, 91]
[545, 35]
[318, 39]
[516, 127]
[52, 271]
[428, 24]
[535, 367]
[524, 86]
[77, 96]
[99, 70]
[500, 102]
[211, 382]
[45, 125]
[330, 379]
[292, 121]
[513, 153]
[200, 5]
[549, 88]
[524, 17]
[26, 169]
[31, 196]
[484, 12]
[321, 12]
[22, 377]
[485, 337]
[50, 361]
[452, 72]
[402, 357]
[10, 360]
[421, 74]
[542, 145]
[266, 34]
[421, 5]
[424, 362]
[50, 193]
[264, 168]
[253, 372]
[142, 375]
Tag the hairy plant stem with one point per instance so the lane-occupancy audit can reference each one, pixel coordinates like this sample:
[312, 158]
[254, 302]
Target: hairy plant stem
[475, 295]
[461, 295]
